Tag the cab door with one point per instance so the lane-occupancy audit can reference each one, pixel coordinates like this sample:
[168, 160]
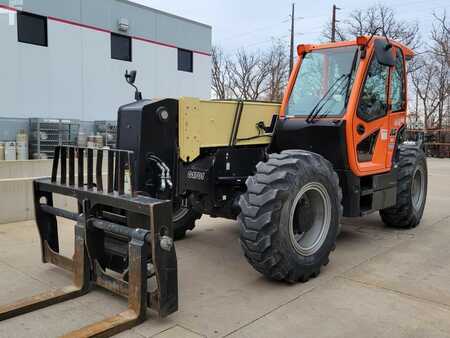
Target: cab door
[371, 121]
[397, 104]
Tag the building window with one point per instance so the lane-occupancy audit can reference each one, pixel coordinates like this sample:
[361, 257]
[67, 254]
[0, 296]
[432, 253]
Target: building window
[185, 60]
[121, 47]
[32, 29]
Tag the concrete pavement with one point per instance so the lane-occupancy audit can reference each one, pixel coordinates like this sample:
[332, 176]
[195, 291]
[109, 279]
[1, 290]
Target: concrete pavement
[380, 282]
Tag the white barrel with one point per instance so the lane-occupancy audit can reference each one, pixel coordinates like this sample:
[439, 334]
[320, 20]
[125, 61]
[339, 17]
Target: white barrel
[82, 139]
[2, 151]
[22, 145]
[10, 151]
[99, 141]
[91, 141]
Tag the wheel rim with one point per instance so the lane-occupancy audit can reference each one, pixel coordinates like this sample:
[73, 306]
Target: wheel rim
[418, 188]
[310, 218]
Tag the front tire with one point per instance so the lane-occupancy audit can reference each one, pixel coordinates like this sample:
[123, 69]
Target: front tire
[290, 215]
[411, 190]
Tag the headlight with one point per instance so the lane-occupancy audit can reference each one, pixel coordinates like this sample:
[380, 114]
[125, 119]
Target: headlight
[163, 114]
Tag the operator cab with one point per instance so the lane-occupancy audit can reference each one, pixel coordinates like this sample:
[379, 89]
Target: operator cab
[347, 102]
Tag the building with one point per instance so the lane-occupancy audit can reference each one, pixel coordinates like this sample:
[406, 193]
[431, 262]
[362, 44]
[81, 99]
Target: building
[67, 58]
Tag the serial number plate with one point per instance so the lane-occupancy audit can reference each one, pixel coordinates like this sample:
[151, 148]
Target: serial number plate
[196, 175]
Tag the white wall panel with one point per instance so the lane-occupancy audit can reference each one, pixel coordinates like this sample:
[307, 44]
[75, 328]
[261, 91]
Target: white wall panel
[9, 84]
[65, 70]
[75, 77]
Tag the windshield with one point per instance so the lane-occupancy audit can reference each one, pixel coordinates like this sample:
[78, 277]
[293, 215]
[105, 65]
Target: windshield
[323, 82]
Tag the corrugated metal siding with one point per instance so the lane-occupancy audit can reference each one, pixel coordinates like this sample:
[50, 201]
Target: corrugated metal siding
[145, 22]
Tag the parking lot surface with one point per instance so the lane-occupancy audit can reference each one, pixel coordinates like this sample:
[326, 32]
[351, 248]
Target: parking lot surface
[381, 282]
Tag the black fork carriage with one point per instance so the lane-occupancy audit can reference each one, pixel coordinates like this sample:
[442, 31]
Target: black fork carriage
[123, 240]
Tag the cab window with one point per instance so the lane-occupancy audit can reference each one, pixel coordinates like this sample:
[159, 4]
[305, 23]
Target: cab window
[397, 84]
[373, 100]
[323, 82]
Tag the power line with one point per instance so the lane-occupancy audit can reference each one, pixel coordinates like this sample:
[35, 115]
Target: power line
[279, 23]
[268, 27]
[283, 21]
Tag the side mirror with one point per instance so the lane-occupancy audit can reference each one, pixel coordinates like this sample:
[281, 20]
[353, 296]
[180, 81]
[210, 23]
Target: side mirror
[384, 53]
[131, 76]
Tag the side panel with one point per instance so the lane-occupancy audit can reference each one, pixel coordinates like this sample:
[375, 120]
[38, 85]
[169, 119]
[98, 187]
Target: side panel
[324, 137]
[207, 124]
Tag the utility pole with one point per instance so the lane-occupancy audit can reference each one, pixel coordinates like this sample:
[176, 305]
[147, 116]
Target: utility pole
[291, 59]
[333, 23]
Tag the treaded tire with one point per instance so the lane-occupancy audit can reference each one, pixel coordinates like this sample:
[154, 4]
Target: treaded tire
[265, 214]
[184, 223]
[405, 214]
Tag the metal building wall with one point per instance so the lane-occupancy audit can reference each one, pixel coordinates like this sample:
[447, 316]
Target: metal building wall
[75, 77]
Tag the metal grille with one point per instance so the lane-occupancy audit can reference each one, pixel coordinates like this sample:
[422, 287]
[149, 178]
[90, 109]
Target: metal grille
[74, 166]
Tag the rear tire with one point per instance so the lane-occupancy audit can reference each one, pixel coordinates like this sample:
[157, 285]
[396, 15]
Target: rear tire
[276, 236]
[183, 220]
[411, 190]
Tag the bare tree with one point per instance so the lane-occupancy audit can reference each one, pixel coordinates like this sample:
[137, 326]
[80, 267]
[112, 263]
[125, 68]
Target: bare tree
[440, 36]
[248, 73]
[377, 19]
[423, 79]
[277, 61]
[219, 73]
[327, 32]
[430, 78]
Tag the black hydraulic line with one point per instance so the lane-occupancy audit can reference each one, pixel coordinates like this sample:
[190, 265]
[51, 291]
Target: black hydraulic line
[236, 123]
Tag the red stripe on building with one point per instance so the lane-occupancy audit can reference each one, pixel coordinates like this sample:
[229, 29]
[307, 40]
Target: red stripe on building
[8, 7]
[78, 24]
[73, 23]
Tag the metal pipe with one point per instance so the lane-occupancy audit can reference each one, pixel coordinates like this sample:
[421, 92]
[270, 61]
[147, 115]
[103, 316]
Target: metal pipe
[118, 229]
[60, 212]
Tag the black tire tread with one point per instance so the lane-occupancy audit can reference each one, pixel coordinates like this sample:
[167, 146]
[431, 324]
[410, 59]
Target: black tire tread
[181, 226]
[261, 206]
[401, 215]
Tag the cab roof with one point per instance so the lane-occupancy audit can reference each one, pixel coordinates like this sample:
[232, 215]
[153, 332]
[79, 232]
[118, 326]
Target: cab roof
[361, 40]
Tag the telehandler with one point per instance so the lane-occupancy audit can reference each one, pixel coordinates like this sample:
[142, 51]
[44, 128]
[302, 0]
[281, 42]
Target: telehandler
[334, 148]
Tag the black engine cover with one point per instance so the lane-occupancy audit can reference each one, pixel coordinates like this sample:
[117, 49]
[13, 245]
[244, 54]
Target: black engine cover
[149, 128]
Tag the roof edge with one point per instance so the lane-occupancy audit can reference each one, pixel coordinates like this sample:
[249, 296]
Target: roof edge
[136, 4]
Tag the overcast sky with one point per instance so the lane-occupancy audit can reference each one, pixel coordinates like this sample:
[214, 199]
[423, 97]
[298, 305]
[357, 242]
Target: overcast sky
[252, 24]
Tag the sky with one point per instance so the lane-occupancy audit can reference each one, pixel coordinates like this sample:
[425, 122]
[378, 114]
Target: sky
[253, 24]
